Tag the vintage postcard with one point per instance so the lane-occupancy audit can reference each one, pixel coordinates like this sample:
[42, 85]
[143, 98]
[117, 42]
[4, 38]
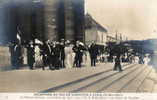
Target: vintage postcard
[97, 49]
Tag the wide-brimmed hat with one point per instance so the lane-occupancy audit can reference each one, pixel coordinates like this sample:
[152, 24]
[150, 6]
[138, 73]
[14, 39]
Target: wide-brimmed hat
[80, 43]
[67, 42]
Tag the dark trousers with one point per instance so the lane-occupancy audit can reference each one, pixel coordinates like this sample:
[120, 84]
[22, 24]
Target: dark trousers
[31, 65]
[57, 63]
[30, 57]
[62, 63]
[78, 60]
[45, 61]
[51, 62]
[117, 66]
[54, 63]
[93, 61]
[78, 63]
[31, 62]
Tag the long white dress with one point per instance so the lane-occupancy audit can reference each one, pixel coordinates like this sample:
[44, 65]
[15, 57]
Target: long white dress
[69, 57]
[86, 59]
[136, 59]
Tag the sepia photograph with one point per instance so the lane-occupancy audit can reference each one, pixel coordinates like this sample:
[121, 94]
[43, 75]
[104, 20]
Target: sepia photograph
[78, 46]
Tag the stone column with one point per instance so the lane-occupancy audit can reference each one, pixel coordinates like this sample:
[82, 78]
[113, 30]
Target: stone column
[69, 20]
[79, 19]
[39, 20]
[50, 11]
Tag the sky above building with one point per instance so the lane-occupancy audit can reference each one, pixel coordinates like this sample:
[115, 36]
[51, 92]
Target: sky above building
[135, 19]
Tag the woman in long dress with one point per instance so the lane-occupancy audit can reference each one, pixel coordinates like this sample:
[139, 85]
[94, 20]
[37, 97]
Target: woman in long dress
[69, 57]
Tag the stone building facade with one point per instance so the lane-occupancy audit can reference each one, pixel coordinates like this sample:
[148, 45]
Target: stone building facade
[42, 20]
[95, 31]
[64, 19]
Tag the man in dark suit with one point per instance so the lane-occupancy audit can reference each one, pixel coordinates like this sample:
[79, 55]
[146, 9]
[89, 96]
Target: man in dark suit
[93, 50]
[62, 53]
[31, 54]
[12, 53]
[78, 50]
[16, 55]
[57, 54]
[118, 52]
[45, 53]
[118, 63]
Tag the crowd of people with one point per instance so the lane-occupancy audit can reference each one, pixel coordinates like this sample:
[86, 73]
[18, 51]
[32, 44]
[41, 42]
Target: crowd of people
[130, 59]
[57, 55]
[63, 54]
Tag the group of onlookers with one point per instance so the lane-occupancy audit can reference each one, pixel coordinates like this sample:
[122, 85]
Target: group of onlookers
[65, 53]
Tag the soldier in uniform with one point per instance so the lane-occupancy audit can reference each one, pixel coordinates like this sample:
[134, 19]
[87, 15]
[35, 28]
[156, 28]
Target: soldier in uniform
[93, 50]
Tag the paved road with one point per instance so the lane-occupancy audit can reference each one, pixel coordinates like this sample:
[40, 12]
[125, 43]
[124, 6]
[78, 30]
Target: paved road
[134, 78]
